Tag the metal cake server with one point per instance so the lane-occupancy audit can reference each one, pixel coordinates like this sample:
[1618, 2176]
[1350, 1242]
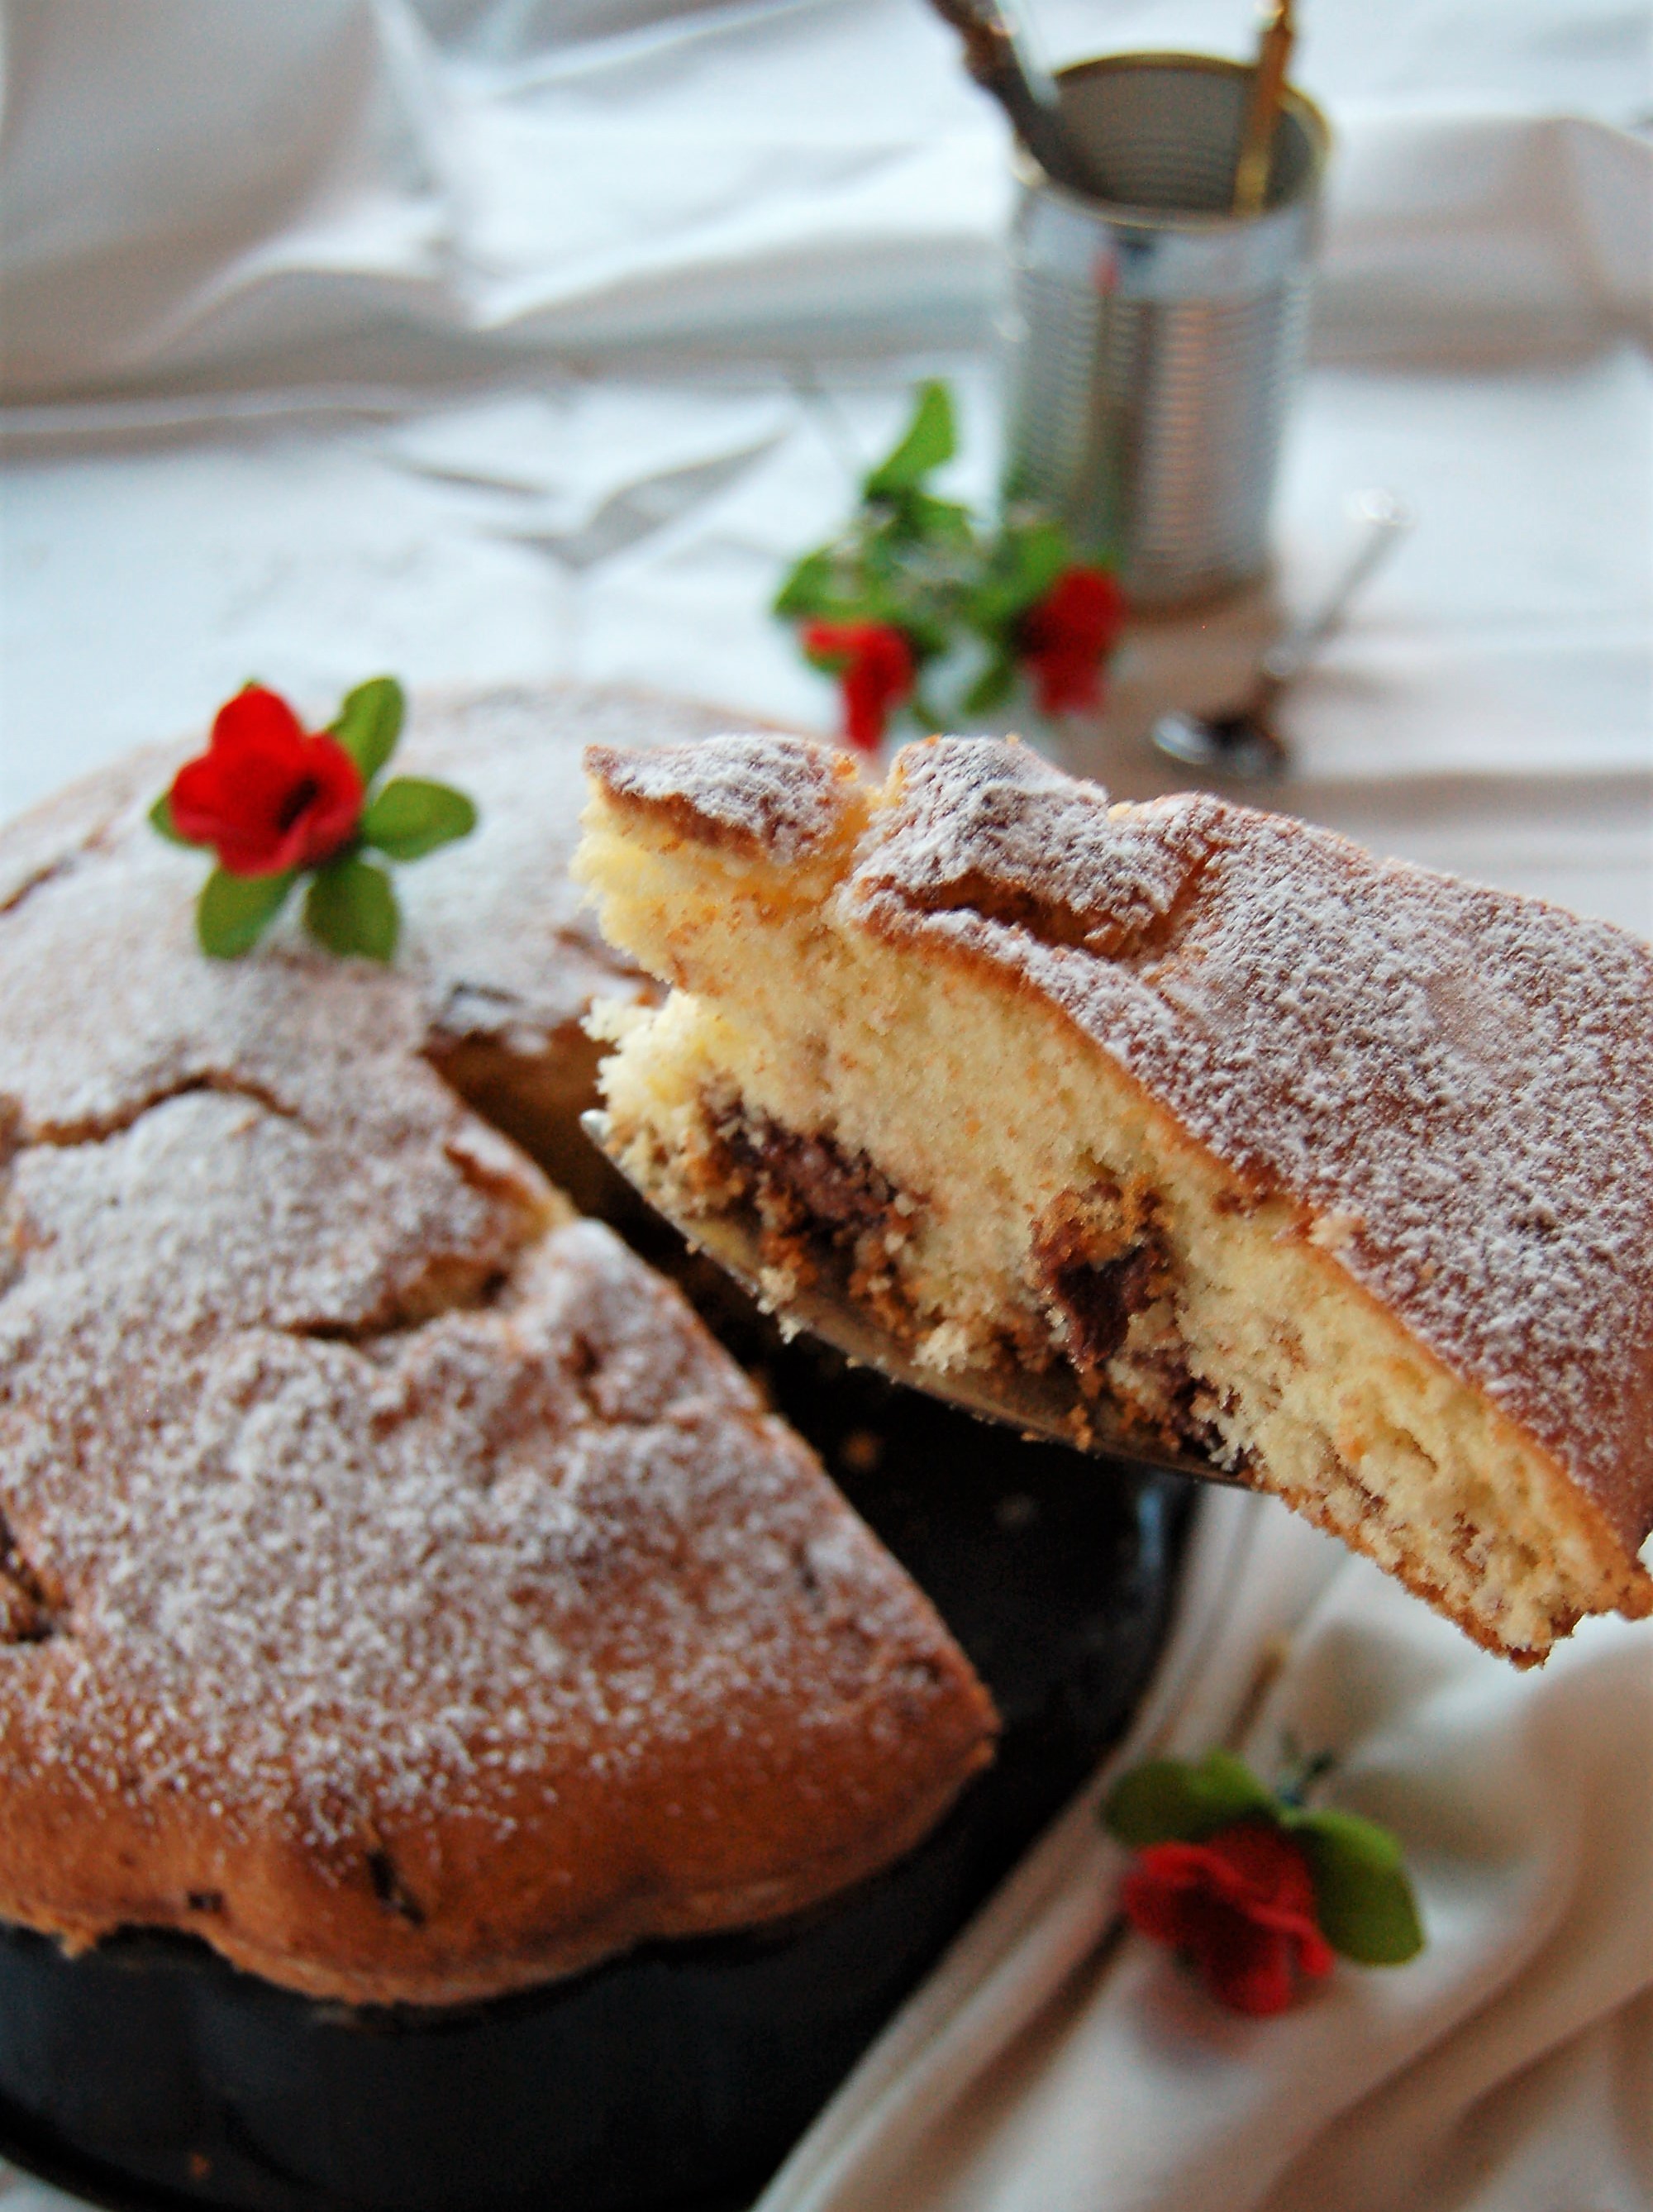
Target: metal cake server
[1041, 1407]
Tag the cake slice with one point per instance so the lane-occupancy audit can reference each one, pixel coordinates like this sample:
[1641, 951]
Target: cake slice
[1338, 1171]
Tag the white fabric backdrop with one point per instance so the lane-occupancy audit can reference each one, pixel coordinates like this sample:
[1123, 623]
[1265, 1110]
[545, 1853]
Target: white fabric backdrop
[226, 195]
[495, 339]
[1043, 2071]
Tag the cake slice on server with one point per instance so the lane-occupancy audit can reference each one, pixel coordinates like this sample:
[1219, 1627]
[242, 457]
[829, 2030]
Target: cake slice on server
[1336, 1170]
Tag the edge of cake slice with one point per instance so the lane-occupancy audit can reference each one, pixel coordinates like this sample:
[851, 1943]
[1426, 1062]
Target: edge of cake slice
[1338, 1171]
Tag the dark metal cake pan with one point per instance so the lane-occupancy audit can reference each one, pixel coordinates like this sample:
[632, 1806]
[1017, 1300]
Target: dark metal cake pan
[150, 2073]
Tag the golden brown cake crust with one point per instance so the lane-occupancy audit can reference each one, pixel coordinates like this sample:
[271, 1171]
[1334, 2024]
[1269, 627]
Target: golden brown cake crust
[782, 802]
[1455, 1082]
[398, 1587]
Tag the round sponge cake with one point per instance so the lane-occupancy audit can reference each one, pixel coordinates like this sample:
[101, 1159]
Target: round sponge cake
[400, 1589]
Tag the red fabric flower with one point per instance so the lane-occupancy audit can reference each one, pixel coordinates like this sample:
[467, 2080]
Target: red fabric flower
[1064, 638]
[874, 663]
[266, 796]
[1241, 1904]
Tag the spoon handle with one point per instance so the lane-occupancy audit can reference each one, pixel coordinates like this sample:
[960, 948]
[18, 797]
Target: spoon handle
[998, 56]
[1388, 520]
[1262, 111]
[1029, 63]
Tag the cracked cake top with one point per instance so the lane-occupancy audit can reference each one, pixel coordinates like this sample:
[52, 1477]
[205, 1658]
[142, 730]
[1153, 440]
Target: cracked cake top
[398, 1587]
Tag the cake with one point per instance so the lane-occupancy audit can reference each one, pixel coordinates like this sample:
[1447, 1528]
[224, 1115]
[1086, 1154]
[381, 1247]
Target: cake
[400, 1589]
[1339, 1171]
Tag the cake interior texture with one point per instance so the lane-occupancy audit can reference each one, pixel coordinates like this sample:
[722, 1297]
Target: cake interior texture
[1335, 1170]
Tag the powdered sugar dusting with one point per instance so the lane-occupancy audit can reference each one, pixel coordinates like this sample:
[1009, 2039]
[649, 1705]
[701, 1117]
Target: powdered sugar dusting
[759, 794]
[357, 1486]
[998, 827]
[1461, 1075]
[499, 939]
[320, 1582]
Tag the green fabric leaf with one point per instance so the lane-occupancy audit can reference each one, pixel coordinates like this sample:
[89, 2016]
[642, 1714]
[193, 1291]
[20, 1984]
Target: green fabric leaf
[161, 819]
[926, 443]
[351, 907]
[926, 636]
[844, 590]
[1169, 1800]
[810, 589]
[370, 722]
[1026, 562]
[898, 603]
[233, 912]
[1364, 1900]
[410, 816]
[924, 715]
[939, 523]
[991, 687]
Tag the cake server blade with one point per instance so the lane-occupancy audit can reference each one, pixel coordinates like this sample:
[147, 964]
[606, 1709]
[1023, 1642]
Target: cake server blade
[1046, 1408]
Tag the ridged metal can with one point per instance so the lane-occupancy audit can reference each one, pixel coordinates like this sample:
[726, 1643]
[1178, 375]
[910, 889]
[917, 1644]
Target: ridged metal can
[1154, 336]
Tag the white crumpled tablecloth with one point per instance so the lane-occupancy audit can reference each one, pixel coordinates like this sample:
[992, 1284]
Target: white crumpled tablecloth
[490, 339]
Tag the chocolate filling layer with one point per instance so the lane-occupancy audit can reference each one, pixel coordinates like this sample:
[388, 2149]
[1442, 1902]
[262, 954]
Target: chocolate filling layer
[816, 1200]
[807, 1184]
[1098, 1301]
[1098, 1259]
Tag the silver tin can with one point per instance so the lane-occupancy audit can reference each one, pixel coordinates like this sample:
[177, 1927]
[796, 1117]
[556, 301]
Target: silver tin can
[1155, 336]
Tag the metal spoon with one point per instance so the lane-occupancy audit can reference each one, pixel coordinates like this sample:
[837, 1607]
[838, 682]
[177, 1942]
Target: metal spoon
[998, 56]
[1251, 171]
[1241, 740]
[1046, 1408]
